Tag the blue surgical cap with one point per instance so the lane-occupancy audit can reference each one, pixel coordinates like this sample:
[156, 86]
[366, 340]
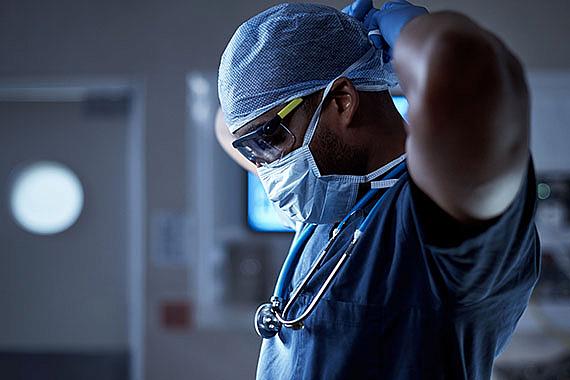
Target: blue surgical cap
[290, 51]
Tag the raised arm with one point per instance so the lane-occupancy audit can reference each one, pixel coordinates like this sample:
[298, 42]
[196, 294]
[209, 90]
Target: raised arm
[468, 132]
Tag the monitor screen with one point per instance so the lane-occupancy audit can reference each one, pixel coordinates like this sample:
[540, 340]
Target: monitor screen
[261, 214]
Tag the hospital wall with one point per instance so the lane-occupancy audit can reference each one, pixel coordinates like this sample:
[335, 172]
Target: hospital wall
[159, 52]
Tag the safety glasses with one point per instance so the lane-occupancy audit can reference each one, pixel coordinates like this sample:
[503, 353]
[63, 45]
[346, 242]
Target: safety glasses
[271, 140]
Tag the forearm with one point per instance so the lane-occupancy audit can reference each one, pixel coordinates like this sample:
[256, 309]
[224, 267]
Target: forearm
[468, 133]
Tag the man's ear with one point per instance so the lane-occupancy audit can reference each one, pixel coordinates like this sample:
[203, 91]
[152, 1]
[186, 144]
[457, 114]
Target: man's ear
[342, 103]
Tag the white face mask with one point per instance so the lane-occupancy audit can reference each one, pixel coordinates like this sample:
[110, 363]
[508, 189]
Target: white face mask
[296, 186]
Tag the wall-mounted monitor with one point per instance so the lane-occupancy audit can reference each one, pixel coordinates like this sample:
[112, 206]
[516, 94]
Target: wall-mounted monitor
[261, 214]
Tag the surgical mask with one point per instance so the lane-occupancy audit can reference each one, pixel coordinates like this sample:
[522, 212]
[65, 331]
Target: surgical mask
[296, 186]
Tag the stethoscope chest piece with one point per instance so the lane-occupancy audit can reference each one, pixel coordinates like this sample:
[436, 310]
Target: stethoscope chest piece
[266, 323]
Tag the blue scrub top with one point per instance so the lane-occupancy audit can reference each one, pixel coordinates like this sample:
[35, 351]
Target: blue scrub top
[421, 297]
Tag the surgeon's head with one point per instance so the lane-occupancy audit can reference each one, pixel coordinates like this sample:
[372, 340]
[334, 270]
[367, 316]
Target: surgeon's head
[305, 74]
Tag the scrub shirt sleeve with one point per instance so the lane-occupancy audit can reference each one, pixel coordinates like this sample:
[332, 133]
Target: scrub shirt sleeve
[471, 263]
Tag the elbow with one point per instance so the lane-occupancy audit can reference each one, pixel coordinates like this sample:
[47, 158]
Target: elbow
[463, 64]
[473, 81]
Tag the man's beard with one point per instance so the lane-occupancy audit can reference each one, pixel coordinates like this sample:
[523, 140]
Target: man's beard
[334, 156]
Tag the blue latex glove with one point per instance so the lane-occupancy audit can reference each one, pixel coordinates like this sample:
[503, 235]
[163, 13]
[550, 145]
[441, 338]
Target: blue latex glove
[358, 9]
[389, 21]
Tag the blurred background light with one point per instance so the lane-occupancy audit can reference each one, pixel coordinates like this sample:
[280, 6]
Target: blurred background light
[46, 198]
[543, 191]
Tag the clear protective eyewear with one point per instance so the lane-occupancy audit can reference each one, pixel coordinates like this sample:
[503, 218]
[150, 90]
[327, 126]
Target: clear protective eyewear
[270, 141]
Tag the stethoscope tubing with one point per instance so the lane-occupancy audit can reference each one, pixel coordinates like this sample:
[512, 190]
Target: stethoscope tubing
[292, 257]
[324, 287]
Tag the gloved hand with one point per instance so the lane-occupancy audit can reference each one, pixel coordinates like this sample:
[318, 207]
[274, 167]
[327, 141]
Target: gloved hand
[384, 24]
[390, 19]
[359, 9]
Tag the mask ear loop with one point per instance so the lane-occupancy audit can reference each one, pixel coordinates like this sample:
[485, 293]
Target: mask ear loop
[317, 114]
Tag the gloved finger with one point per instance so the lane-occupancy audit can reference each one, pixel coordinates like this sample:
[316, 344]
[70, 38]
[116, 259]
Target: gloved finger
[358, 9]
[371, 19]
[395, 4]
[376, 40]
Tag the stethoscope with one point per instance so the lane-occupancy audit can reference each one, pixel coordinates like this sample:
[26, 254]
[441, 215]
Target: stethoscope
[270, 317]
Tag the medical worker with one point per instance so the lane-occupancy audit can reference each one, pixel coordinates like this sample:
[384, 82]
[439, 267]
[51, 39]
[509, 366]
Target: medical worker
[429, 223]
